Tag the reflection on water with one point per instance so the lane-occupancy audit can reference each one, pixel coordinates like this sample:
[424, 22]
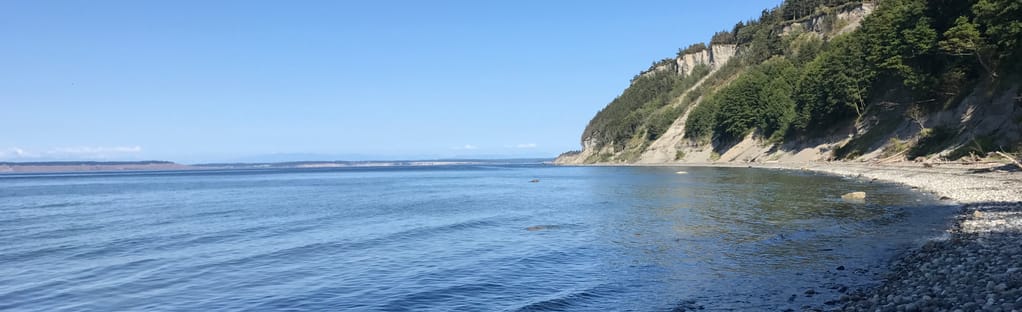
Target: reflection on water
[447, 238]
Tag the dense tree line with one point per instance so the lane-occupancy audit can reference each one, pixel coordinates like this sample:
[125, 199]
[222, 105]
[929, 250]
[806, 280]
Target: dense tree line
[908, 52]
[694, 48]
[796, 9]
[723, 37]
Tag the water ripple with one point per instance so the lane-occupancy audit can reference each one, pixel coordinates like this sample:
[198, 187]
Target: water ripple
[476, 238]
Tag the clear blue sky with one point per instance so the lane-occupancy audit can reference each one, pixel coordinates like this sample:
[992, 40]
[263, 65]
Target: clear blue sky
[202, 81]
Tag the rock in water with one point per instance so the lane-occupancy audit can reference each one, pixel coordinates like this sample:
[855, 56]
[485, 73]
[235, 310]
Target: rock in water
[534, 181]
[542, 227]
[681, 172]
[854, 196]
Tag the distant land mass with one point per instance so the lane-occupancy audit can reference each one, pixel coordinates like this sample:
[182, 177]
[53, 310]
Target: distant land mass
[76, 166]
[371, 163]
[159, 165]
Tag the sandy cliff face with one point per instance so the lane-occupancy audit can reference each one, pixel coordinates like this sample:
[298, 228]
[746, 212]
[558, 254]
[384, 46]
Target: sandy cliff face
[846, 19]
[714, 57]
[720, 54]
[686, 63]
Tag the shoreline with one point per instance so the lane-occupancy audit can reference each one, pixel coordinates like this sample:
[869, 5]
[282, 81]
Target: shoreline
[977, 266]
[962, 183]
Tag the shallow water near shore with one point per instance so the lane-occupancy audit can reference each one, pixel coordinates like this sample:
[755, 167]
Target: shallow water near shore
[469, 238]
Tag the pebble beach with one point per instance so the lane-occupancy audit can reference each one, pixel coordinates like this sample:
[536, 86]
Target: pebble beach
[977, 266]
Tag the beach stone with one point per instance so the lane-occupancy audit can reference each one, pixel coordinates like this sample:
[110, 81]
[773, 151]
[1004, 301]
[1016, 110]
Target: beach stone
[911, 307]
[854, 196]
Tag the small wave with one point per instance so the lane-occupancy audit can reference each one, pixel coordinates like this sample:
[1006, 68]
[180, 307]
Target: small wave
[54, 205]
[221, 213]
[468, 295]
[562, 301]
[20, 256]
[70, 231]
[329, 247]
[109, 249]
[491, 222]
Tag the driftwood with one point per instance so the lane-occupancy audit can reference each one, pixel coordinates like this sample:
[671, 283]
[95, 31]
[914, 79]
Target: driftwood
[1012, 159]
[893, 157]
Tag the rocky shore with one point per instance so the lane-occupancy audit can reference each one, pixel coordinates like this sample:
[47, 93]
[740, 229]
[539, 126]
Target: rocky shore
[976, 267]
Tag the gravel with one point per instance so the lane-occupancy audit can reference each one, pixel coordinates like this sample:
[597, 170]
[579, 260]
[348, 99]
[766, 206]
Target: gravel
[976, 267]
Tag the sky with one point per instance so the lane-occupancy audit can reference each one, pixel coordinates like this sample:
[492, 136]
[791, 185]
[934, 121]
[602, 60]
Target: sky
[216, 81]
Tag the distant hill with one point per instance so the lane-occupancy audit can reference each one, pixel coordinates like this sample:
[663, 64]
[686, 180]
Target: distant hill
[827, 79]
[77, 166]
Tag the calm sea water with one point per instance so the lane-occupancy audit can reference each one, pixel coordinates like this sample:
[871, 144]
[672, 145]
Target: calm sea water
[468, 238]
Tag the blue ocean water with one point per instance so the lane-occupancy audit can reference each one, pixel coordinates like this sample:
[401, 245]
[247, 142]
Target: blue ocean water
[447, 238]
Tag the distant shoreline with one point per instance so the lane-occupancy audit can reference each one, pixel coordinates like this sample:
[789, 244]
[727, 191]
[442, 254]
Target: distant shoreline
[153, 165]
[88, 166]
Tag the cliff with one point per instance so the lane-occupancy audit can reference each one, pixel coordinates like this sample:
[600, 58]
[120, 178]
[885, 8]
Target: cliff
[839, 82]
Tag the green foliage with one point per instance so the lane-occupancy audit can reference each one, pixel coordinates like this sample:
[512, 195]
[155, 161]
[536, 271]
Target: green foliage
[895, 147]
[834, 86]
[761, 99]
[662, 119]
[723, 37]
[739, 105]
[658, 123]
[570, 153]
[802, 47]
[763, 39]
[795, 9]
[702, 119]
[895, 39]
[642, 108]
[1001, 22]
[961, 39]
[697, 47]
[679, 155]
[617, 122]
[931, 141]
